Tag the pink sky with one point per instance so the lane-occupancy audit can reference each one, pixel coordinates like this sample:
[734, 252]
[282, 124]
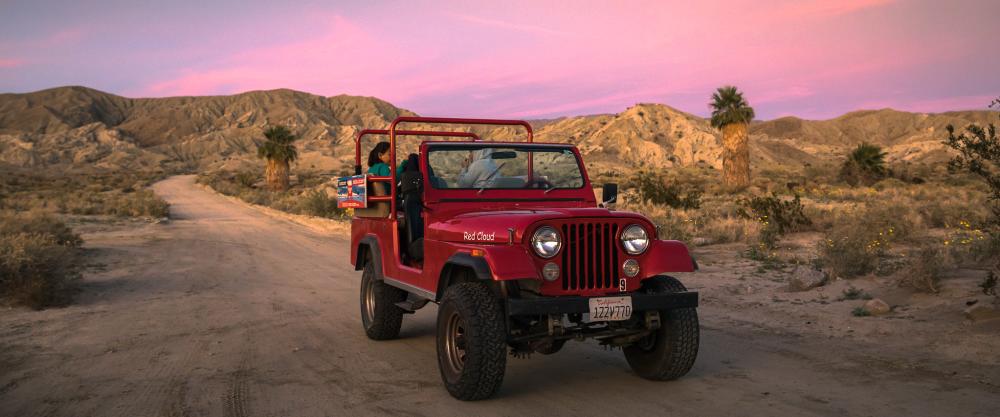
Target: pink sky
[531, 59]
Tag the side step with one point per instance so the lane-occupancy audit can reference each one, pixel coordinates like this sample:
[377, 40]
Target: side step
[412, 303]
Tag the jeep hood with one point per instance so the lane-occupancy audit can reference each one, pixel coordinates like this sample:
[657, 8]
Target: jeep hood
[494, 227]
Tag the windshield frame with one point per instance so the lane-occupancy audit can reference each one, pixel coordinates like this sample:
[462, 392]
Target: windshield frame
[530, 148]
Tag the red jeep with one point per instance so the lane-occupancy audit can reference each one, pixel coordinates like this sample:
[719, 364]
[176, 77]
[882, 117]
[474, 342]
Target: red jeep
[511, 243]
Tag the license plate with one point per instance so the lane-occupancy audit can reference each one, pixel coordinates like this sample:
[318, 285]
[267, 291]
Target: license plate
[610, 308]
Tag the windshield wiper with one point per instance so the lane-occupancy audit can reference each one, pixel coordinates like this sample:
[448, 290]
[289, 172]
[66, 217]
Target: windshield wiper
[490, 177]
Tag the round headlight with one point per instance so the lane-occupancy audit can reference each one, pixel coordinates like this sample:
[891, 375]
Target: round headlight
[546, 242]
[635, 240]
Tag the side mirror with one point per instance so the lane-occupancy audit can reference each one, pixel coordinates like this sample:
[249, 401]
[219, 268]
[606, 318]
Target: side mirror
[609, 193]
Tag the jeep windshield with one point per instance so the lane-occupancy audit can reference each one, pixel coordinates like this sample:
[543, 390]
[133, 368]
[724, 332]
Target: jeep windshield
[490, 166]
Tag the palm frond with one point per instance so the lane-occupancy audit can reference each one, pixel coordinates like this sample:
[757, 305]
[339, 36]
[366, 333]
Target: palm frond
[279, 145]
[729, 106]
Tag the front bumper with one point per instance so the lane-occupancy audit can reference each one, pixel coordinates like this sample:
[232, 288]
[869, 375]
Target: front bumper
[574, 304]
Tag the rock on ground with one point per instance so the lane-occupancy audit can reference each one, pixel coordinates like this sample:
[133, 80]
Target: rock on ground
[806, 278]
[877, 307]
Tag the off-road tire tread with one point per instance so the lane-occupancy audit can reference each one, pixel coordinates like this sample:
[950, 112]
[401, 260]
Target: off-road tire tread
[683, 338]
[388, 317]
[484, 320]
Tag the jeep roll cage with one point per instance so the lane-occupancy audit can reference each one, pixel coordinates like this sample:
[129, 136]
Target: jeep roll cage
[392, 132]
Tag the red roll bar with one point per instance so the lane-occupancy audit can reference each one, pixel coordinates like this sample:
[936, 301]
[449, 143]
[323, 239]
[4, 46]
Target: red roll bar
[437, 120]
[357, 140]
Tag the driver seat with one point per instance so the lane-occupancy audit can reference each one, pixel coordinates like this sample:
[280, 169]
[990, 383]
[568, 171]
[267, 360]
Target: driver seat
[411, 188]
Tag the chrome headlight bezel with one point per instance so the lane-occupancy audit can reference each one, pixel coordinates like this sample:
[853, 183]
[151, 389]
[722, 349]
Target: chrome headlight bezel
[635, 239]
[546, 242]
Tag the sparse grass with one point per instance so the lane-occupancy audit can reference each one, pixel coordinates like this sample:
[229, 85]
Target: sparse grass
[989, 284]
[115, 194]
[854, 293]
[858, 242]
[38, 259]
[924, 272]
[304, 197]
[860, 312]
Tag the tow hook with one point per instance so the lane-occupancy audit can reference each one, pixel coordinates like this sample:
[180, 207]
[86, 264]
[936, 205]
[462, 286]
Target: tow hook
[653, 320]
[555, 326]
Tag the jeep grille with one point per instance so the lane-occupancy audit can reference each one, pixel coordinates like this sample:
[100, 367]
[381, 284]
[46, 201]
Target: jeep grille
[590, 258]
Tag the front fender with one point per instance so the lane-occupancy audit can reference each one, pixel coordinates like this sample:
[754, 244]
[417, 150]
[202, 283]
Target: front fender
[496, 263]
[666, 256]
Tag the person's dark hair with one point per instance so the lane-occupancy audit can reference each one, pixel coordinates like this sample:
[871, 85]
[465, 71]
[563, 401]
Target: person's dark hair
[412, 163]
[379, 148]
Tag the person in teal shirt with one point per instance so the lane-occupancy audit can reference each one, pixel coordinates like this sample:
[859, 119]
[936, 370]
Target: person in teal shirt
[378, 161]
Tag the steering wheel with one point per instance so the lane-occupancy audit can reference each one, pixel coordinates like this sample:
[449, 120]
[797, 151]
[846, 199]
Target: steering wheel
[538, 182]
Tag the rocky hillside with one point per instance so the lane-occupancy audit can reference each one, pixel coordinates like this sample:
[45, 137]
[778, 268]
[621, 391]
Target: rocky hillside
[658, 136]
[81, 128]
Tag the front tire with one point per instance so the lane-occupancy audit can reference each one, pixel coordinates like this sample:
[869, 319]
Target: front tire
[380, 316]
[670, 352]
[471, 341]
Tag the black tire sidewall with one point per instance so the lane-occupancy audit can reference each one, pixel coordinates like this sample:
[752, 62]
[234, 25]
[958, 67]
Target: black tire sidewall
[388, 317]
[486, 347]
[675, 343]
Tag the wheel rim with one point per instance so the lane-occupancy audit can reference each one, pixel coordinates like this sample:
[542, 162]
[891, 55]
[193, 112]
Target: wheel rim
[369, 300]
[455, 343]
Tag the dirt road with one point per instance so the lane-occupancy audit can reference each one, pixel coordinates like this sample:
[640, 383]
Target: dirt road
[225, 311]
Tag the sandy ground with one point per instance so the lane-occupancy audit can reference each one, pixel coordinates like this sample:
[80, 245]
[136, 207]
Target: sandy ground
[228, 311]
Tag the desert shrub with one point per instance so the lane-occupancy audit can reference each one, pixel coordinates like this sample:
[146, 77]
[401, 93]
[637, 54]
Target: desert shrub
[979, 153]
[989, 284]
[864, 165]
[924, 271]
[858, 242]
[660, 190]
[246, 179]
[780, 215]
[725, 229]
[967, 243]
[141, 203]
[317, 203]
[35, 270]
[300, 199]
[775, 217]
[675, 227]
[39, 223]
[854, 293]
[81, 194]
[37, 259]
[860, 312]
[947, 212]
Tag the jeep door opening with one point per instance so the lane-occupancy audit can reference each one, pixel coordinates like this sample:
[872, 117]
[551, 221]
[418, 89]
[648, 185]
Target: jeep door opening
[510, 242]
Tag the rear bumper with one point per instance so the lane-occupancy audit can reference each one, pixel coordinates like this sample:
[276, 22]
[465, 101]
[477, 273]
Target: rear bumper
[570, 305]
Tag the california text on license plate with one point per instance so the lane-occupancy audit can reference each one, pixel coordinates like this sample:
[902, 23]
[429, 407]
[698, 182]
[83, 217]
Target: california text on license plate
[610, 308]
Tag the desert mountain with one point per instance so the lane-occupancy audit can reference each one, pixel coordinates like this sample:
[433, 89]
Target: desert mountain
[82, 128]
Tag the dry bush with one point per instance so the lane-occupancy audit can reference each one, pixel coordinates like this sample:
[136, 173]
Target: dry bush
[300, 198]
[39, 223]
[923, 274]
[38, 255]
[119, 194]
[859, 241]
[141, 203]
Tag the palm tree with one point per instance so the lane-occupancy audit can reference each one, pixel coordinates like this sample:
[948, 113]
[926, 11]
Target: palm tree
[866, 163]
[732, 115]
[279, 151]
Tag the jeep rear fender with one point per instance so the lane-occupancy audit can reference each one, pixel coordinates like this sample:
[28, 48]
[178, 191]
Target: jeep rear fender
[666, 256]
[367, 246]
